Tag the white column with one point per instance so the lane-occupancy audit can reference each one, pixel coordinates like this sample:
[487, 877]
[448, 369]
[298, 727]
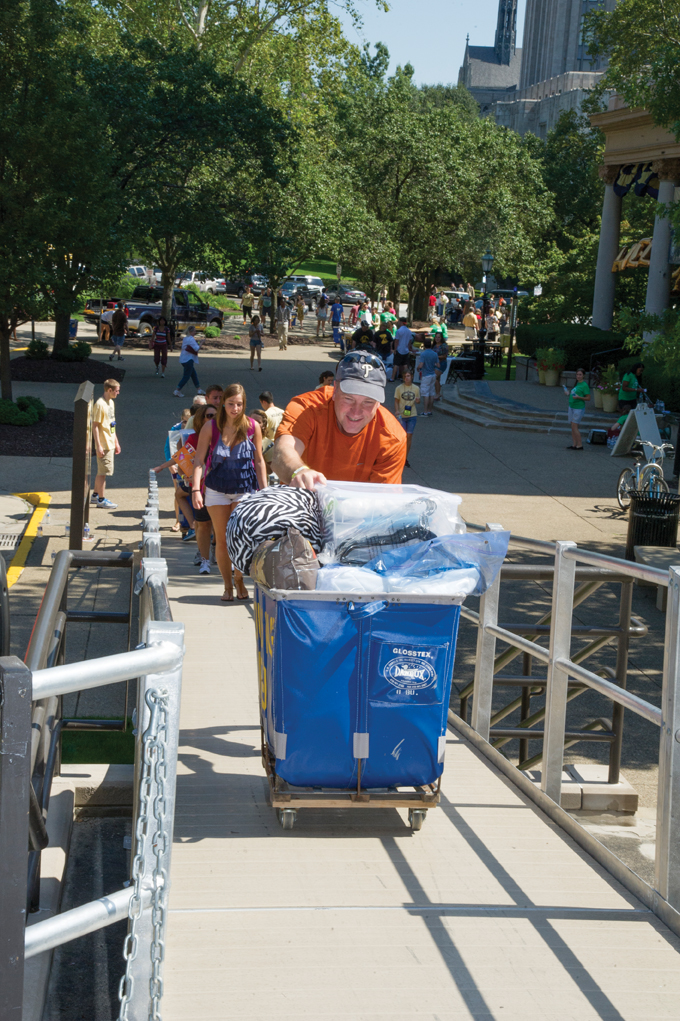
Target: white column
[605, 280]
[659, 279]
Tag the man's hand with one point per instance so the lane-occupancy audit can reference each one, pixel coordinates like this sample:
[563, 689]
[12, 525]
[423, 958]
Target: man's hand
[309, 479]
[117, 447]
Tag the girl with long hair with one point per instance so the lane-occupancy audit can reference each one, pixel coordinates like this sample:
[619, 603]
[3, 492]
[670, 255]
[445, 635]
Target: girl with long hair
[229, 461]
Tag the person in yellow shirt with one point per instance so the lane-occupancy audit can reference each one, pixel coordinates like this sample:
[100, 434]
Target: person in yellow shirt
[105, 441]
[471, 323]
[406, 397]
[247, 302]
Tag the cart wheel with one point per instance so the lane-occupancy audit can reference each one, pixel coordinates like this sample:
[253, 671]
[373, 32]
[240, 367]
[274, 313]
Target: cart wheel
[416, 816]
[287, 817]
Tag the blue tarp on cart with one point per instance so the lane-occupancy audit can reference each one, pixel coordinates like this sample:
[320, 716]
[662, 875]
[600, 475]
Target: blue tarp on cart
[347, 682]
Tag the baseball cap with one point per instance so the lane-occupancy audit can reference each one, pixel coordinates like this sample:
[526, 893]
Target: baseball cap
[362, 375]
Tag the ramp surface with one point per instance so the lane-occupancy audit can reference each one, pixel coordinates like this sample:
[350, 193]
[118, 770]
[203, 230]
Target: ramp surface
[489, 911]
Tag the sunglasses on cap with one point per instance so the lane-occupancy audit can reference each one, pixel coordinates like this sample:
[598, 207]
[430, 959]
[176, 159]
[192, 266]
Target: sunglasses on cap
[363, 358]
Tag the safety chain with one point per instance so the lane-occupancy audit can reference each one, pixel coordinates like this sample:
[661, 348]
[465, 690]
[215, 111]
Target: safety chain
[154, 771]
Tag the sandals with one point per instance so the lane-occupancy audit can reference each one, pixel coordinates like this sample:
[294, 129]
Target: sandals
[241, 590]
[227, 598]
[175, 527]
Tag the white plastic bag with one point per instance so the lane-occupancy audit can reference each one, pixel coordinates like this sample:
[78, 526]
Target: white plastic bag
[361, 519]
[338, 578]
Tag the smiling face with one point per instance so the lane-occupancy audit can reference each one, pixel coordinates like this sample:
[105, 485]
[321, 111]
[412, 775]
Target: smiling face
[234, 406]
[353, 412]
[579, 376]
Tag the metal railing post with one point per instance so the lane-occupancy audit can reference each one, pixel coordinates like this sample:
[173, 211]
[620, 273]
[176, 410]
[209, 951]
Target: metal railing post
[156, 568]
[668, 798]
[557, 678]
[158, 705]
[15, 773]
[486, 651]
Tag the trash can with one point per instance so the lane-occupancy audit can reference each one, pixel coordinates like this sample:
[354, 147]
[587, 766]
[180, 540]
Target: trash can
[72, 329]
[652, 520]
[354, 695]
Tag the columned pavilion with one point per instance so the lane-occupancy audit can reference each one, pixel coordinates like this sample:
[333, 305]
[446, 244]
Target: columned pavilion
[642, 156]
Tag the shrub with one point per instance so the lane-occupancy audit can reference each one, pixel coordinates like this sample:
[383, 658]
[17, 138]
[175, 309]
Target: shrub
[38, 350]
[212, 331]
[550, 358]
[26, 411]
[77, 352]
[577, 342]
[610, 380]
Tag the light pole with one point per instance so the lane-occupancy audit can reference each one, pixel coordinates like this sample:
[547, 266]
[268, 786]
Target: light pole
[487, 263]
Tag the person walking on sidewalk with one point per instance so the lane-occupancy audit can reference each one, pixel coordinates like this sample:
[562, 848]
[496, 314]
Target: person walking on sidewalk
[321, 315]
[282, 322]
[230, 465]
[247, 302]
[188, 359]
[578, 396]
[406, 396]
[159, 342]
[105, 441]
[428, 363]
[119, 329]
[256, 342]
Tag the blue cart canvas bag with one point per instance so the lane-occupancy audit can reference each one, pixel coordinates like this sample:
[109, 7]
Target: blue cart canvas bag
[351, 690]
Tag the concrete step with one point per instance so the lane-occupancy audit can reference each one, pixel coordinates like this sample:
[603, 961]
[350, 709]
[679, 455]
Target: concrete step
[464, 412]
[498, 409]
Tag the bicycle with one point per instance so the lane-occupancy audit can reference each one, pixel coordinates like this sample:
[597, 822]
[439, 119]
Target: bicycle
[647, 478]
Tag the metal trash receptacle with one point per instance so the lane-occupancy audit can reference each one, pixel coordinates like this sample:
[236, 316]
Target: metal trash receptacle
[652, 520]
[72, 329]
[354, 693]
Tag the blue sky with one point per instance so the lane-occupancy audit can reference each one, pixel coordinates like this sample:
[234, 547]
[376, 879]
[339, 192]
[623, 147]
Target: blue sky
[430, 34]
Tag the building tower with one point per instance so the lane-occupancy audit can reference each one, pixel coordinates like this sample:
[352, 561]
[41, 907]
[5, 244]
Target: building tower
[506, 30]
[554, 40]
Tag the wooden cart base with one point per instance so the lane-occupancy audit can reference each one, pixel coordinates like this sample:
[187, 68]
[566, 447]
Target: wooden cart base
[287, 800]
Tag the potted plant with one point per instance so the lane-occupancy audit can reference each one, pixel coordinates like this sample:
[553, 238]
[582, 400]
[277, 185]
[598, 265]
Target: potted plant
[540, 363]
[610, 389]
[555, 361]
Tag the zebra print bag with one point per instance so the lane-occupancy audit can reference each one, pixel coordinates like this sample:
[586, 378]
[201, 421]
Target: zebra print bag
[268, 515]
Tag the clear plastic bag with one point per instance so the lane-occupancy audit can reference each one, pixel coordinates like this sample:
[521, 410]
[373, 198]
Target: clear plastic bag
[455, 560]
[338, 578]
[362, 519]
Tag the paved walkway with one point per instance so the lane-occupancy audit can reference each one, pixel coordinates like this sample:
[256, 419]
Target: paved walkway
[488, 912]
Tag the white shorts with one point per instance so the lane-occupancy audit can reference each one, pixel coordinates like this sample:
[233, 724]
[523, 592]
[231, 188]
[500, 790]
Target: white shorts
[215, 499]
[427, 386]
[575, 414]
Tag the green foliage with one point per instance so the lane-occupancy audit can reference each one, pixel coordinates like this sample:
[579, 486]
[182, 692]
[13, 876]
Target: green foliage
[550, 358]
[26, 411]
[212, 331]
[579, 343]
[664, 345]
[79, 351]
[38, 350]
[609, 379]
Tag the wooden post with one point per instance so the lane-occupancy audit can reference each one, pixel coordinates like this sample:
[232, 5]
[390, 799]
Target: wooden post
[82, 453]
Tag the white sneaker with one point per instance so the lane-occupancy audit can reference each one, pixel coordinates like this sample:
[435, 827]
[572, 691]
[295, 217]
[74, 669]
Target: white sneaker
[205, 567]
[178, 393]
[201, 393]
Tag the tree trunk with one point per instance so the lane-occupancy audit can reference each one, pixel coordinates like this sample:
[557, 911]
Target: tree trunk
[393, 294]
[5, 372]
[168, 287]
[420, 300]
[62, 322]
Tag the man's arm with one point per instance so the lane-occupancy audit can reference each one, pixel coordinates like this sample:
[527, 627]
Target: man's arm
[98, 435]
[287, 459]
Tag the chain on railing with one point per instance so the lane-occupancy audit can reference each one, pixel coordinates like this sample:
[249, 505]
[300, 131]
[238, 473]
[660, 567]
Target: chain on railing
[157, 666]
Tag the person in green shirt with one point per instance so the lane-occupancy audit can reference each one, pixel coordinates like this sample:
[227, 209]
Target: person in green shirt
[630, 385]
[578, 395]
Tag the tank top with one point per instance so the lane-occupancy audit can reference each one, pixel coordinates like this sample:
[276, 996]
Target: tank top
[232, 469]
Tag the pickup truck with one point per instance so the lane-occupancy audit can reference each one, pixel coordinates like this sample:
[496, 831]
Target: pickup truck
[144, 308]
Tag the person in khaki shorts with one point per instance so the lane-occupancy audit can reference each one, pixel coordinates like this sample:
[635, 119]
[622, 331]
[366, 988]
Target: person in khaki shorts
[105, 441]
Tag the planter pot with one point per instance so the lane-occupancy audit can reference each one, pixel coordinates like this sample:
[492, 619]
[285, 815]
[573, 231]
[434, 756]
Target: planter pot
[610, 402]
[552, 377]
[597, 398]
[541, 377]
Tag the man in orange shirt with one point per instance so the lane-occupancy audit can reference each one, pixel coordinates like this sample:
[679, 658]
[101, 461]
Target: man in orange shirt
[341, 432]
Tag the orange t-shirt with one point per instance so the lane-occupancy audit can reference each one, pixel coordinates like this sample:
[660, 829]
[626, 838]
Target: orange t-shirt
[376, 454]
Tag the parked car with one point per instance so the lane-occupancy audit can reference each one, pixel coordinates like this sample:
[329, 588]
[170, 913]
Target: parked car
[213, 285]
[137, 271]
[237, 285]
[144, 308]
[348, 295]
[94, 307]
[310, 287]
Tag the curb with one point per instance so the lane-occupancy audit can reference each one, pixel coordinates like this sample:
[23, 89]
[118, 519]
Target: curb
[41, 502]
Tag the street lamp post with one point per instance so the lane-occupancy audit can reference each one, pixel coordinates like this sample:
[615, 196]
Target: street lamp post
[487, 264]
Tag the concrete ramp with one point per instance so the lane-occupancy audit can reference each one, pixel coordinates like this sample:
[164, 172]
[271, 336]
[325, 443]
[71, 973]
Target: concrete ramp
[490, 911]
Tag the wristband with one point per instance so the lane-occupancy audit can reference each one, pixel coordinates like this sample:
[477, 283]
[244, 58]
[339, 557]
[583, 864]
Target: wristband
[302, 468]
[195, 491]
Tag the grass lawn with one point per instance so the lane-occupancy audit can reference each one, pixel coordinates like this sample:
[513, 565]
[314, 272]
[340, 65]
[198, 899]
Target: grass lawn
[102, 746]
[323, 268]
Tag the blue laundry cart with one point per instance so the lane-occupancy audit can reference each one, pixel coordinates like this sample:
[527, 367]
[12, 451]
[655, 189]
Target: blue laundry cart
[354, 696]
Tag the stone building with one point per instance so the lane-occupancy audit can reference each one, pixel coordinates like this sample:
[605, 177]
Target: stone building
[555, 69]
[490, 73]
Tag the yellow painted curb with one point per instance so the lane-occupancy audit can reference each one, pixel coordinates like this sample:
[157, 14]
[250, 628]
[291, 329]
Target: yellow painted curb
[40, 501]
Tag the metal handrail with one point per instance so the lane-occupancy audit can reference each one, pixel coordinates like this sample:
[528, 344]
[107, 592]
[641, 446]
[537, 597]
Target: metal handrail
[124, 666]
[617, 694]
